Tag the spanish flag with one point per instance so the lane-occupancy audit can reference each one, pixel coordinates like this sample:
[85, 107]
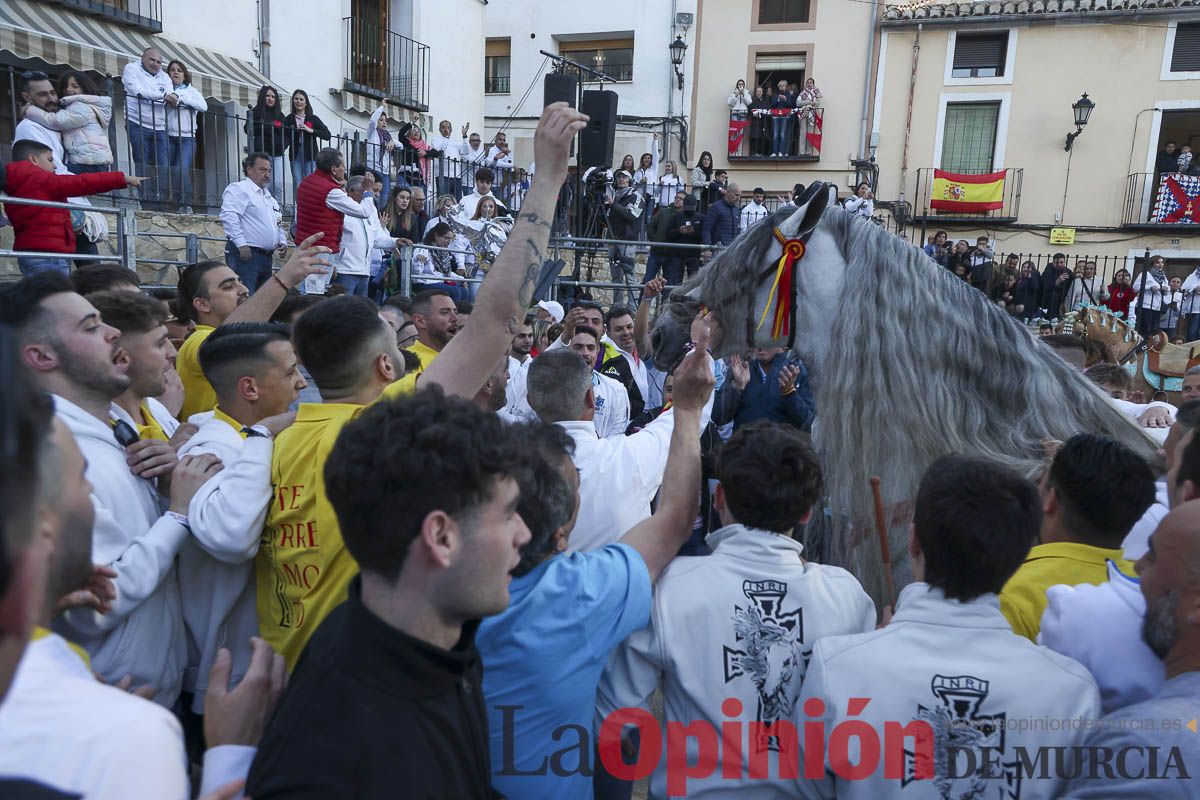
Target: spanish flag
[967, 193]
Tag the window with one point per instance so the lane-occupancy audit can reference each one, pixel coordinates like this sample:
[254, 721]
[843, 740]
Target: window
[497, 66]
[969, 139]
[773, 67]
[779, 12]
[980, 55]
[614, 57]
[1185, 55]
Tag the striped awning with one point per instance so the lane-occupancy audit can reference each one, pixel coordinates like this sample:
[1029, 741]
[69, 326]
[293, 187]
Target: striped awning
[56, 35]
[366, 104]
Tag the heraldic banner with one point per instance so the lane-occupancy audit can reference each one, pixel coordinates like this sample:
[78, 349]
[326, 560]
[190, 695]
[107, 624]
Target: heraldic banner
[1178, 200]
[967, 193]
[737, 134]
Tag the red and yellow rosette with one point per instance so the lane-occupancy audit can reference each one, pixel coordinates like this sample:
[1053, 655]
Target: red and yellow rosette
[782, 289]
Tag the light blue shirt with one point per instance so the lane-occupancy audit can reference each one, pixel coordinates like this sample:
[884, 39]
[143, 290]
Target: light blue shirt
[545, 656]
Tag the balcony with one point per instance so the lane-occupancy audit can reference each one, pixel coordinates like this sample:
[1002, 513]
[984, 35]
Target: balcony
[144, 14]
[923, 210]
[385, 65]
[495, 84]
[1168, 202]
[753, 138]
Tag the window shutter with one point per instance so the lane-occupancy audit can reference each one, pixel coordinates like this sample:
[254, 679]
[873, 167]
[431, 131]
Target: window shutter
[981, 51]
[1185, 57]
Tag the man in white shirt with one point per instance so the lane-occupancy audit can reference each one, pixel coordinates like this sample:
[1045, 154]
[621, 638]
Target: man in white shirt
[446, 172]
[39, 91]
[252, 367]
[148, 90]
[618, 476]
[484, 178]
[519, 360]
[755, 210]
[360, 236]
[76, 358]
[611, 408]
[499, 155]
[618, 326]
[947, 667]
[252, 221]
[741, 622]
[472, 156]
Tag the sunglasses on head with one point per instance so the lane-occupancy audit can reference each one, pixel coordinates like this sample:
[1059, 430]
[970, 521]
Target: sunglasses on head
[34, 75]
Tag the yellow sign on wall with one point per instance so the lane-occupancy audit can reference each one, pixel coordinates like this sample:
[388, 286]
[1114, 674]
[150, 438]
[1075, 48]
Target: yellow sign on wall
[1062, 236]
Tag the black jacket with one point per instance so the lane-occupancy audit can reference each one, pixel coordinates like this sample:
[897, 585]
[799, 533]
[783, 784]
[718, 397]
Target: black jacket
[302, 143]
[619, 370]
[371, 712]
[267, 134]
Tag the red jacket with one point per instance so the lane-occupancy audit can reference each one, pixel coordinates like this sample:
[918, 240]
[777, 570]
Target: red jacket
[313, 216]
[48, 230]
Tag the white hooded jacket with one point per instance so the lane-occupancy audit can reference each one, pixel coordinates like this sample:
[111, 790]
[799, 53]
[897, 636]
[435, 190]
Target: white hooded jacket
[216, 564]
[740, 624]
[142, 635]
[960, 668]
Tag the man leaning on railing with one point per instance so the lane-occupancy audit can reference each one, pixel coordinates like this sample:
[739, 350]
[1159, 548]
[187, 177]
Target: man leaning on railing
[147, 88]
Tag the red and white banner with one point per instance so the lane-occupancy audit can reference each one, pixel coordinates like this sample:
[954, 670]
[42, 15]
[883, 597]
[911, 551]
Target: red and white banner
[1178, 200]
[737, 134]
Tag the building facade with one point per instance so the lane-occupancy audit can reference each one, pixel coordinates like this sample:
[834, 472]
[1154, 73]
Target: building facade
[832, 42]
[991, 87]
[350, 56]
[627, 40]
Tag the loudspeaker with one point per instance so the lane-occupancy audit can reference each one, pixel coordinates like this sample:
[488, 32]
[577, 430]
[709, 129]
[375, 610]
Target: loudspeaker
[596, 140]
[560, 89]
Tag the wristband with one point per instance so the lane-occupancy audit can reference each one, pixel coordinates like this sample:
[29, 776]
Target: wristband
[789, 392]
[275, 277]
[180, 518]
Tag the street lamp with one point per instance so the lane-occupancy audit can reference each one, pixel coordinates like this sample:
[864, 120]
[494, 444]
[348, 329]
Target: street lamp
[678, 48]
[1083, 110]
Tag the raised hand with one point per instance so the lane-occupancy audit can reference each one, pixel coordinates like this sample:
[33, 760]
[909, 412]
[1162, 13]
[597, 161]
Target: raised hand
[787, 379]
[694, 379]
[653, 288]
[552, 141]
[307, 259]
[466, 129]
[739, 371]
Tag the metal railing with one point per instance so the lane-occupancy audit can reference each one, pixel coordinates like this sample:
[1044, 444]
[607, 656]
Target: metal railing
[496, 84]
[1008, 212]
[141, 13]
[385, 64]
[1152, 201]
[125, 230]
[762, 134]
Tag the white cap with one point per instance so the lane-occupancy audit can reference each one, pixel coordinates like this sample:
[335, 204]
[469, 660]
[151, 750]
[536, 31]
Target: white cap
[553, 308]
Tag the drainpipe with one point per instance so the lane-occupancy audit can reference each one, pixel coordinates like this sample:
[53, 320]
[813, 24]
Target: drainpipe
[912, 88]
[666, 156]
[264, 37]
[868, 80]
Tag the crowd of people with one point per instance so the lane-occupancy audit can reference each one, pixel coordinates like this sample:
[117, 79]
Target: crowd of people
[296, 537]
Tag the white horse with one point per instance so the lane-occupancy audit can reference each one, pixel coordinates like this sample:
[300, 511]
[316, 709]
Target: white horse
[908, 363]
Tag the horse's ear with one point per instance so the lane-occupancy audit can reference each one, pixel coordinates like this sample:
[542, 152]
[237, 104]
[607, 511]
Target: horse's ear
[809, 209]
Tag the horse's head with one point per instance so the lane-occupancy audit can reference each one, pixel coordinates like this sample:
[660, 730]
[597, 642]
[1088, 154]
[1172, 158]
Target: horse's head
[740, 288]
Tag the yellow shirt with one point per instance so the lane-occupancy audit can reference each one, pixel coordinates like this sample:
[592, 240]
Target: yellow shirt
[408, 384]
[41, 633]
[198, 394]
[302, 568]
[1023, 598]
[151, 430]
[230, 421]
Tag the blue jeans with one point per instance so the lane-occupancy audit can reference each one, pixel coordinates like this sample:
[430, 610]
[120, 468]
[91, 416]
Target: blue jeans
[277, 178]
[150, 153]
[300, 171]
[355, 284]
[32, 265]
[81, 169]
[458, 294]
[253, 273]
[780, 130]
[381, 199]
[183, 153]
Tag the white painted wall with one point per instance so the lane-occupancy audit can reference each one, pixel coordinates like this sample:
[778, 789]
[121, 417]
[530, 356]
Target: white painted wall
[534, 25]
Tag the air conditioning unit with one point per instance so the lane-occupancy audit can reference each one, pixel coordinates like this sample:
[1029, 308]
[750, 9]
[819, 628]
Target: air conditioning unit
[684, 19]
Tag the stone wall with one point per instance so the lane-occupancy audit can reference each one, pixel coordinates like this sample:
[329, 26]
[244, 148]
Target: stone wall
[160, 237]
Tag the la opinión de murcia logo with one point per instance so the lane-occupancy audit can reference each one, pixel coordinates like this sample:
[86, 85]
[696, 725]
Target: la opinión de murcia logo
[953, 742]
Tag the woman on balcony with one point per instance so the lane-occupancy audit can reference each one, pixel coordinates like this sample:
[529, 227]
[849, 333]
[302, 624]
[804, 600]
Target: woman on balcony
[701, 177]
[667, 185]
[181, 133]
[739, 100]
[807, 118]
[403, 220]
[268, 135]
[380, 145]
[305, 133]
[862, 203]
[781, 108]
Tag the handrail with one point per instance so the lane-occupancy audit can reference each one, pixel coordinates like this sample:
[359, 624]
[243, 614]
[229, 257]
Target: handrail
[125, 247]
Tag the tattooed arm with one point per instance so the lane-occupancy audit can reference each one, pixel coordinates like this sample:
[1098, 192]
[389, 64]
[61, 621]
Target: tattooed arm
[471, 356]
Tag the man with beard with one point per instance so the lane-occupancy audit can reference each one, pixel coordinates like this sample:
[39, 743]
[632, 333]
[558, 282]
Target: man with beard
[625, 365]
[519, 359]
[76, 358]
[38, 91]
[1170, 583]
[211, 294]
[493, 395]
[436, 317]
